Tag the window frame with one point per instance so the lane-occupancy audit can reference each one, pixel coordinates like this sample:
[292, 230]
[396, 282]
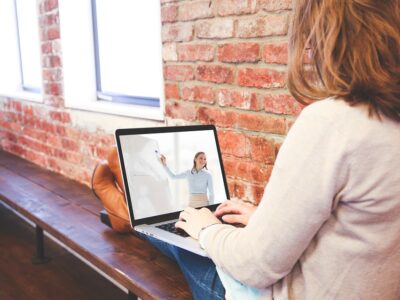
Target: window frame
[19, 89]
[108, 96]
[79, 67]
[26, 87]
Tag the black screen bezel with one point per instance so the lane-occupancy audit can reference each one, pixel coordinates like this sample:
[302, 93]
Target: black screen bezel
[149, 130]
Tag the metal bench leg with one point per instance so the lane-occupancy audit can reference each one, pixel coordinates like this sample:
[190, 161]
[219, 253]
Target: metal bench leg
[40, 258]
[132, 296]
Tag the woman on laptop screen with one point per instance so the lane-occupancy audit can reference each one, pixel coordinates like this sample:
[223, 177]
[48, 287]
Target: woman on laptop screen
[199, 180]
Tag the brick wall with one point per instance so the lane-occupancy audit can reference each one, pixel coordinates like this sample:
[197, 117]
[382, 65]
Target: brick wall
[224, 64]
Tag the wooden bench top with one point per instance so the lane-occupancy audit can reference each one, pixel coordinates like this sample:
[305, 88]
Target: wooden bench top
[69, 211]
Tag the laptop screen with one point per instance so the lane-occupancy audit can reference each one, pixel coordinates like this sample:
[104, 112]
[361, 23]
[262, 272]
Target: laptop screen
[167, 169]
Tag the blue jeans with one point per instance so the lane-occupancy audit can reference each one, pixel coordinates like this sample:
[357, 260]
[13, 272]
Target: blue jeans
[199, 271]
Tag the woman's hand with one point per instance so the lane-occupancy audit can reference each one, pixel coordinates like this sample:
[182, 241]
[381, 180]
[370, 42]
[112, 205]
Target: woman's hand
[194, 220]
[163, 159]
[235, 212]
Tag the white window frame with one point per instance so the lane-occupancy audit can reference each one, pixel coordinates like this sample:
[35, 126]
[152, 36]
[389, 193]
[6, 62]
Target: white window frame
[79, 70]
[13, 86]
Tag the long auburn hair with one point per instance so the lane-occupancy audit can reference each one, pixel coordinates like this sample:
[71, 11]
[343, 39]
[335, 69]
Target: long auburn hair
[194, 162]
[355, 53]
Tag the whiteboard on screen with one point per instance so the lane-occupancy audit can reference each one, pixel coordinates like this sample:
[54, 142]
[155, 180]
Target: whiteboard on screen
[147, 180]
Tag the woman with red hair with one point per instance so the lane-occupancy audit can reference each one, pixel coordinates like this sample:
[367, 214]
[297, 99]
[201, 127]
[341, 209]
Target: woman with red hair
[328, 226]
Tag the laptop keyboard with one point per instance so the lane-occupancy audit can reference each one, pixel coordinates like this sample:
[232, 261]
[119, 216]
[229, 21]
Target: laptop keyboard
[170, 227]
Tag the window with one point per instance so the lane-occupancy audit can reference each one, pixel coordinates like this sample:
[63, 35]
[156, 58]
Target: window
[110, 63]
[20, 55]
[28, 33]
[127, 56]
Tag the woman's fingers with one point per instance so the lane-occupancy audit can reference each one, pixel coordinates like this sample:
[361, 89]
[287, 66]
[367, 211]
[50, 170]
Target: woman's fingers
[186, 213]
[183, 216]
[227, 203]
[235, 212]
[193, 220]
[242, 219]
[163, 159]
[223, 204]
[229, 208]
[181, 225]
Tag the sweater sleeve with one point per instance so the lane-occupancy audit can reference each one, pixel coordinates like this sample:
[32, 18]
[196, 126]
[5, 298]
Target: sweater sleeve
[299, 198]
[175, 176]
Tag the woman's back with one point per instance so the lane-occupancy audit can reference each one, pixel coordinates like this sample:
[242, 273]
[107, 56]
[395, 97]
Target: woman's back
[334, 201]
[356, 253]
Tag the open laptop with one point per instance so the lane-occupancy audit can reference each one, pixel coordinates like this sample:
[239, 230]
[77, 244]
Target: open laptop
[157, 193]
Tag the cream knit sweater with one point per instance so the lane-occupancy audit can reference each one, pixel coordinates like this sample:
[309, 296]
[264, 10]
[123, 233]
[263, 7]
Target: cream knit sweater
[328, 226]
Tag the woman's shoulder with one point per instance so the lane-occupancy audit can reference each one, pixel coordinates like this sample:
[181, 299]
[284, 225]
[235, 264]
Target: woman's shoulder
[353, 122]
[332, 108]
[337, 113]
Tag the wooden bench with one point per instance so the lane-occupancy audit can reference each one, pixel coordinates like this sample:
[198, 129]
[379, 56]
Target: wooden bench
[69, 212]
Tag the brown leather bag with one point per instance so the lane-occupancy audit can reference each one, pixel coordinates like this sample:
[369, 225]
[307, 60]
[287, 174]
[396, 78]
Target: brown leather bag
[108, 187]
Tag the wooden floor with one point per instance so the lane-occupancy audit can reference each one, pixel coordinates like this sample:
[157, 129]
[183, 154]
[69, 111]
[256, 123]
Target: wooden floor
[64, 277]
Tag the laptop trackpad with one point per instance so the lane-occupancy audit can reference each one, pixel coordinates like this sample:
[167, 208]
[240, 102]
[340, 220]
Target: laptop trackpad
[186, 243]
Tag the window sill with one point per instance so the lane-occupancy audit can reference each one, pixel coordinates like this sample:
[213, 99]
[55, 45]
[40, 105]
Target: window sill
[22, 95]
[121, 109]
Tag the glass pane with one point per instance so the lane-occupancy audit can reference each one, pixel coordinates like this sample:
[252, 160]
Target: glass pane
[28, 26]
[129, 46]
[9, 58]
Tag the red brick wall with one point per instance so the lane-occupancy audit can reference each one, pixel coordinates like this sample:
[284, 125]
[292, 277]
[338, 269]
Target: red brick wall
[224, 64]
